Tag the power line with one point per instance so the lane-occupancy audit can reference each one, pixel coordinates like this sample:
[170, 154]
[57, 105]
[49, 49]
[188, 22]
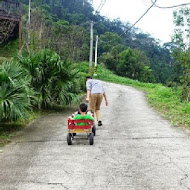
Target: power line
[100, 6]
[171, 7]
[153, 3]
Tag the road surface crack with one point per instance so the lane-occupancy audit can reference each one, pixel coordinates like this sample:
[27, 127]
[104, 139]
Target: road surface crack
[38, 141]
[183, 171]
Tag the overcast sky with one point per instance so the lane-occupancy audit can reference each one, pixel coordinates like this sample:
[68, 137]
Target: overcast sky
[157, 22]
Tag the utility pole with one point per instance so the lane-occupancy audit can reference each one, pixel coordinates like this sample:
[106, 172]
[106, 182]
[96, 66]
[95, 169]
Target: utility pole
[29, 20]
[96, 57]
[20, 26]
[20, 34]
[91, 47]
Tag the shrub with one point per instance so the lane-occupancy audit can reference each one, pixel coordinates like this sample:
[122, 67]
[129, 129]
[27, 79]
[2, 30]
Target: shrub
[54, 81]
[15, 94]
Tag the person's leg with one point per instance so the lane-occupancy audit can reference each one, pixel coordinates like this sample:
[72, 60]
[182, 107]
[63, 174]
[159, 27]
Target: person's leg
[92, 102]
[98, 115]
[97, 109]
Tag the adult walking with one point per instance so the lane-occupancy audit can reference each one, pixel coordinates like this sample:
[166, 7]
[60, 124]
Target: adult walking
[95, 94]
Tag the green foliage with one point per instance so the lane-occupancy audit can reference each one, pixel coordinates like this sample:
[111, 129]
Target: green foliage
[181, 33]
[3, 59]
[54, 81]
[128, 62]
[83, 68]
[108, 41]
[181, 53]
[147, 75]
[159, 57]
[63, 26]
[134, 64]
[66, 31]
[184, 59]
[38, 80]
[15, 94]
[110, 61]
[9, 49]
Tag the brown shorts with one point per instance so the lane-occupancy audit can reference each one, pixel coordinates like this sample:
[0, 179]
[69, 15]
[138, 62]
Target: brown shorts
[95, 101]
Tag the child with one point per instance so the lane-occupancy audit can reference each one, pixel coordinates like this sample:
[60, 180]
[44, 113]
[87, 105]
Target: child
[83, 114]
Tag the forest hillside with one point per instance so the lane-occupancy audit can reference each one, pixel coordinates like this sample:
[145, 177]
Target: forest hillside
[64, 26]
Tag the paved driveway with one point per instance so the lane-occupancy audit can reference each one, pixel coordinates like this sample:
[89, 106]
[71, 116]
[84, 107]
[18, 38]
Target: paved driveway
[135, 149]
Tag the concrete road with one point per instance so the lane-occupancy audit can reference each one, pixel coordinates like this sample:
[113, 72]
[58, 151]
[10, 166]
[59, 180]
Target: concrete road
[135, 149]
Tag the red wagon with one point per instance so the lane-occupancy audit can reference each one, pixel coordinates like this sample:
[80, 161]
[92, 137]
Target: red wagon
[88, 128]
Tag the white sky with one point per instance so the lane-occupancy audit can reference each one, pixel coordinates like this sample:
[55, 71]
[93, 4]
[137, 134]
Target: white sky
[157, 22]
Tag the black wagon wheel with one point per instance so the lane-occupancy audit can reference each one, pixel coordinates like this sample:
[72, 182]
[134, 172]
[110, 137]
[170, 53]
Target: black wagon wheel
[91, 139]
[69, 139]
[94, 130]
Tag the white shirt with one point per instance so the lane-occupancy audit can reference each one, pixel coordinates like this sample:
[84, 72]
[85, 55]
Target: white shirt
[95, 86]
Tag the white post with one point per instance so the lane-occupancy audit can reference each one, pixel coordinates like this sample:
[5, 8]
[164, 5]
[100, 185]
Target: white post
[91, 47]
[96, 57]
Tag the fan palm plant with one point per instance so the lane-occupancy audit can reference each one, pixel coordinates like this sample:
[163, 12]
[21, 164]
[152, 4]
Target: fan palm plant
[67, 88]
[15, 94]
[54, 81]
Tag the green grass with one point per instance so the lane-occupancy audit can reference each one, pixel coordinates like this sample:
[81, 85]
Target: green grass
[164, 99]
[9, 49]
[2, 59]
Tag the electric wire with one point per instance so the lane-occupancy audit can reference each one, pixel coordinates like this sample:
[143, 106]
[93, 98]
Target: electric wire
[153, 3]
[97, 10]
[102, 3]
[171, 7]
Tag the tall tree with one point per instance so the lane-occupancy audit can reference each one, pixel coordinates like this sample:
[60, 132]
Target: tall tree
[181, 38]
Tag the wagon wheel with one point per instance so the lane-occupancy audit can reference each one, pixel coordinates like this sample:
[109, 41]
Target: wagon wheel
[69, 139]
[91, 139]
[94, 130]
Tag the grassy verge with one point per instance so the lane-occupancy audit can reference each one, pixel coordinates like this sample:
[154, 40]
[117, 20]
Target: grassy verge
[9, 49]
[2, 59]
[164, 99]
[8, 130]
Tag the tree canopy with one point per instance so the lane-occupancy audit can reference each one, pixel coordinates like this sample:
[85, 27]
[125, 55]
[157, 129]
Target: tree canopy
[64, 26]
